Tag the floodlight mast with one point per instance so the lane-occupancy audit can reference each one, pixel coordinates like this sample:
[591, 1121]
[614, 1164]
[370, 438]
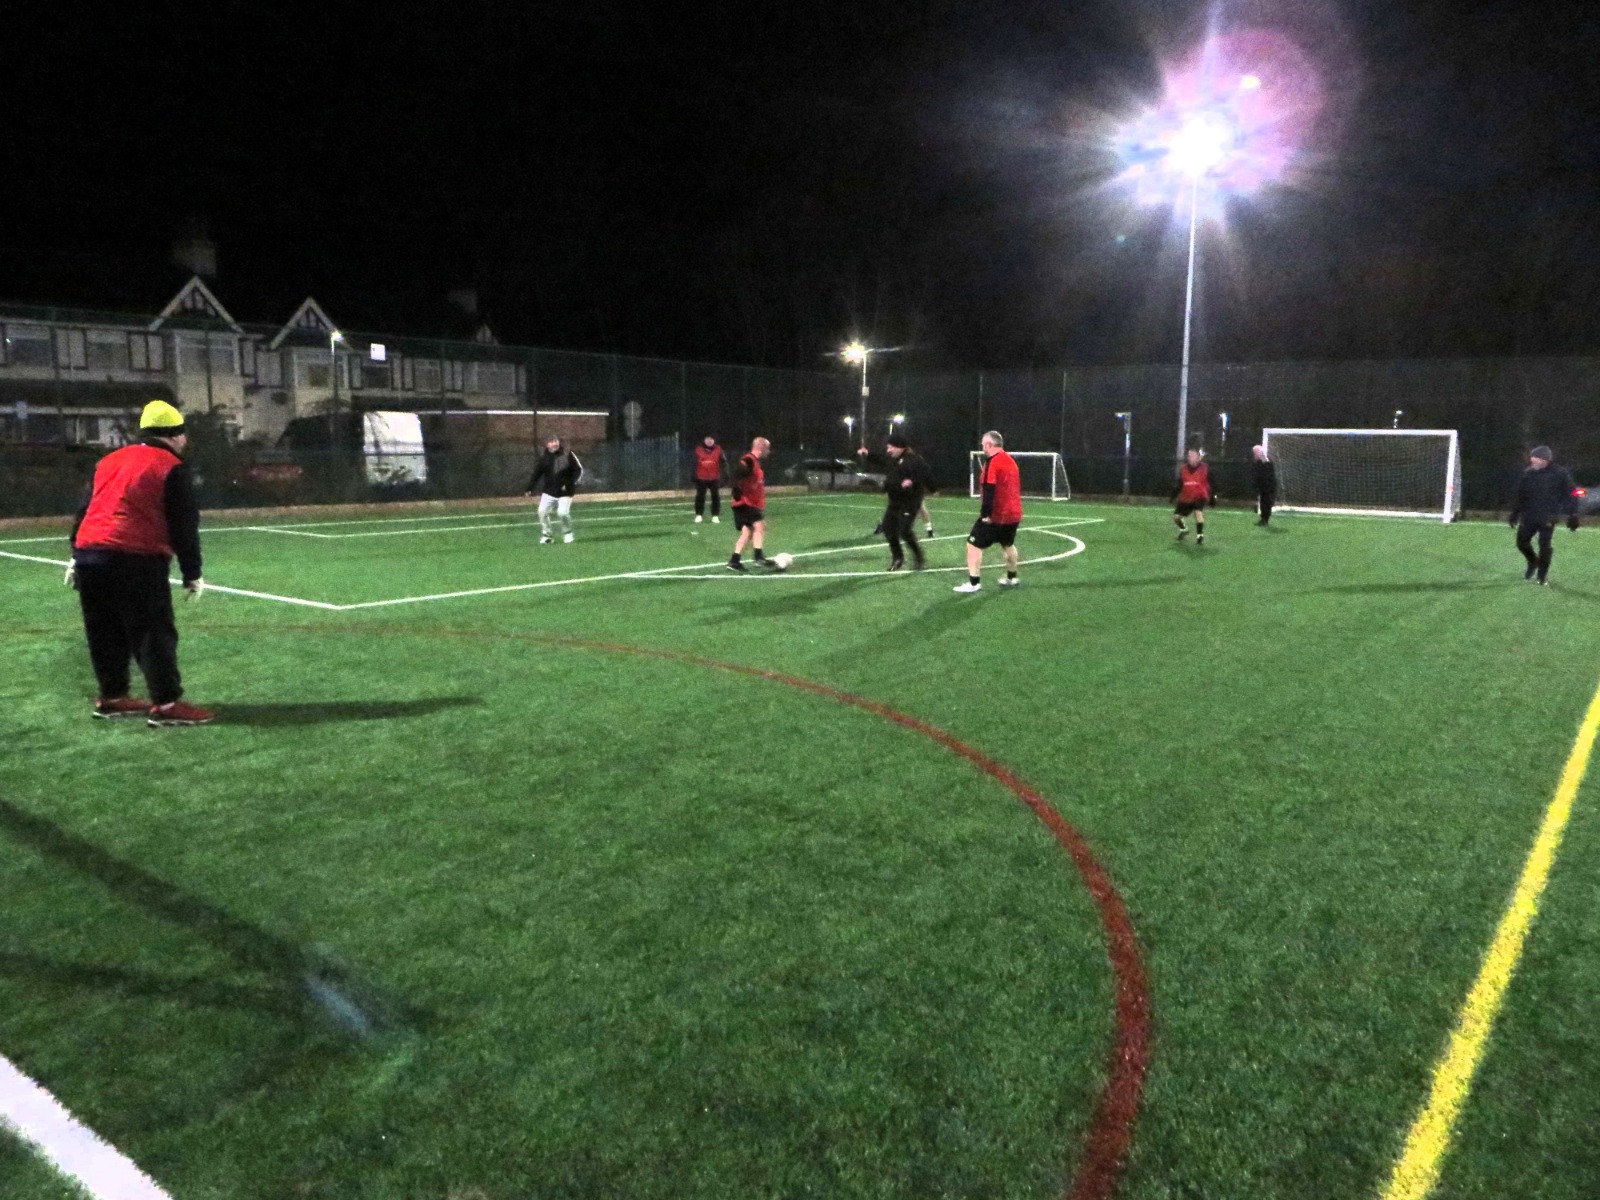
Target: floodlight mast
[1127, 448]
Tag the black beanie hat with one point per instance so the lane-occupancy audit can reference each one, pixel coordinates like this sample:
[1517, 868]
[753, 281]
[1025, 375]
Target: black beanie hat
[898, 441]
[1543, 452]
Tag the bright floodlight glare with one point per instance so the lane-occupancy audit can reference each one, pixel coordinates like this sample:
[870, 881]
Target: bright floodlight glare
[1201, 144]
[1250, 83]
[854, 352]
[849, 422]
[898, 418]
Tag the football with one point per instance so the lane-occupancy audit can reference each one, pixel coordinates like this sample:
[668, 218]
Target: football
[782, 561]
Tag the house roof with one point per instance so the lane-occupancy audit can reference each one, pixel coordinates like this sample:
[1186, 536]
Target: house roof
[195, 306]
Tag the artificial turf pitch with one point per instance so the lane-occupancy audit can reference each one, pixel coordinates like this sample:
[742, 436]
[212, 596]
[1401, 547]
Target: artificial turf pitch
[459, 900]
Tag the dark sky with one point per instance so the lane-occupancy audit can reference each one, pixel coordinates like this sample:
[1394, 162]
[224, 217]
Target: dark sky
[756, 183]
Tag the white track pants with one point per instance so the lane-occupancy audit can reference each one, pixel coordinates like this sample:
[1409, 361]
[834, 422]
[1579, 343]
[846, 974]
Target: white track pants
[563, 509]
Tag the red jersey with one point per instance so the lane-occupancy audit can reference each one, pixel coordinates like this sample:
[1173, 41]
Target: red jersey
[127, 509]
[1000, 472]
[708, 463]
[751, 491]
[1194, 484]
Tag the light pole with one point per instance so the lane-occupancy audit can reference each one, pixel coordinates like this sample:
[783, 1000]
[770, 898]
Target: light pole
[855, 352]
[1127, 448]
[1223, 453]
[850, 428]
[1398, 413]
[334, 338]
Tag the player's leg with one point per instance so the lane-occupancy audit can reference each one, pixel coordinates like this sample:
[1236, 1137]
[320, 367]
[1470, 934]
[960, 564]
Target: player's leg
[1011, 565]
[982, 535]
[1177, 519]
[908, 533]
[1200, 526]
[758, 534]
[891, 525]
[105, 629]
[564, 511]
[546, 503]
[1264, 507]
[716, 502]
[739, 542]
[1525, 533]
[1546, 550]
[700, 489]
[153, 631]
[926, 518]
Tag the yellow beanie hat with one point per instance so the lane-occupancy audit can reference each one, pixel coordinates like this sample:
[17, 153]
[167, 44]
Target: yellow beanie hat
[161, 418]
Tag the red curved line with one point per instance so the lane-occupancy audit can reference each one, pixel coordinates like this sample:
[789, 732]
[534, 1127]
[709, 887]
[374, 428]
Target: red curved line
[1111, 1129]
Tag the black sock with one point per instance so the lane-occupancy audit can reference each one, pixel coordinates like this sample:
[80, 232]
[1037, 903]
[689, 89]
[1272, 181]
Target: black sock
[759, 555]
[1011, 574]
[735, 557]
[974, 581]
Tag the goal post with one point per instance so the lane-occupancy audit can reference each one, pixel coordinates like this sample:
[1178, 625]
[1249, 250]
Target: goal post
[1367, 472]
[1044, 474]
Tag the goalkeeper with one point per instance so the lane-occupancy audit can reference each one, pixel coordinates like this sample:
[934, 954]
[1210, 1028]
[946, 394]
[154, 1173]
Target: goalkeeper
[1192, 492]
[1545, 493]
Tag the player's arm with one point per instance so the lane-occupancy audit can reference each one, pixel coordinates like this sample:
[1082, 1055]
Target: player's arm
[575, 472]
[83, 511]
[183, 521]
[533, 480]
[1519, 499]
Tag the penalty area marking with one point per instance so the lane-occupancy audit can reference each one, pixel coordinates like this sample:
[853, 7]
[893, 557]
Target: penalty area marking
[76, 1151]
[1416, 1173]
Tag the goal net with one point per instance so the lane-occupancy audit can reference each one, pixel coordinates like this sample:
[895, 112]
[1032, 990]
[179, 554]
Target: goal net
[1044, 474]
[1368, 472]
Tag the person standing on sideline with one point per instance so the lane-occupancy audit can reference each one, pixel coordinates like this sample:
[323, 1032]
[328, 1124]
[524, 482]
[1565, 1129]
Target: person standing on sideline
[750, 504]
[710, 464]
[556, 480]
[1544, 493]
[905, 484]
[1192, 492]
[999, 516]
[1264, 474]
[140, 513]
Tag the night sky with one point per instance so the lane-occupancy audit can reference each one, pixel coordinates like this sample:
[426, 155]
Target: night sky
[758, 183]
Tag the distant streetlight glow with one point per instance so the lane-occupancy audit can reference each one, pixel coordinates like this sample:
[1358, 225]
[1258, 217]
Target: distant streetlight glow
[860, 352]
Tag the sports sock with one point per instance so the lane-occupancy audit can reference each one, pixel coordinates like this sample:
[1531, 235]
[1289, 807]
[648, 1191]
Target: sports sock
[974, 580]
[1011, 574]
[734, 557]
[759, 555]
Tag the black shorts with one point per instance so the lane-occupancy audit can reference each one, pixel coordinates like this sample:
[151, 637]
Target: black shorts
[1185, 508]
[745, 517]
[985, 534]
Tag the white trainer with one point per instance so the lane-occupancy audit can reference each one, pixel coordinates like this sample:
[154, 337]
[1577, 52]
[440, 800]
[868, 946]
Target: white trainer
[546, 540]
[967, 588]
[1010, 581]
[566, 537]
[716, 520]
[698, 518]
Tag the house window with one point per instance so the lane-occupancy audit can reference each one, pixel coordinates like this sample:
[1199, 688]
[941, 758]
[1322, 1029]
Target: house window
[311, 369]
[193, 351]
[453, 373]
[71, 349]
[373, 374]
[269, 368]
[426, 374]
[146, 352]
[247, 358]
[108, 351]
[498, 379]
[28, 346]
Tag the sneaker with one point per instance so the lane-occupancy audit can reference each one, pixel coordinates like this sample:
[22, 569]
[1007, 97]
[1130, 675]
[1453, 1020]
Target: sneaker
[1182, 533]
[566, 537]
[929, 533]
[919, 564]
[1199, 539]
[698, 518]
[897, 565]
[1529, 573]
[967, 588]
[178, 713]
[1009, 581]
[546, 540]
[716, 520]
[1544, 583]
[736, 565]
[768, 563]
[109, 709]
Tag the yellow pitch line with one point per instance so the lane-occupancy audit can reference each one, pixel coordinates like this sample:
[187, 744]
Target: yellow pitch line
[1417, 1170]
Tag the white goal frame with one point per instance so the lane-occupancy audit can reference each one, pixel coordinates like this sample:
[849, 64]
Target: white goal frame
[1060, 485]
[1450, 504]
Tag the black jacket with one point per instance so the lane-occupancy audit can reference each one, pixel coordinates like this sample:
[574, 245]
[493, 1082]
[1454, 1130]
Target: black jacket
[557, 474]
[1544, 496]
[1264, 474]
[910, 468]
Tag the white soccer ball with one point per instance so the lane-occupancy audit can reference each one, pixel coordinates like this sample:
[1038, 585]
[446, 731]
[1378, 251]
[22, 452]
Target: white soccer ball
[783, 561]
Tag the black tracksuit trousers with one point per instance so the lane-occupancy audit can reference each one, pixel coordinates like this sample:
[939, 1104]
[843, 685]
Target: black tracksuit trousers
[1526, 532]
[127, 615]
[701, 487]
[901, 526]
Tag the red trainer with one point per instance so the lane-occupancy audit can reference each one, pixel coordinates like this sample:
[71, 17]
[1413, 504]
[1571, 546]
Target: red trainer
[178, 713]
[120, 706]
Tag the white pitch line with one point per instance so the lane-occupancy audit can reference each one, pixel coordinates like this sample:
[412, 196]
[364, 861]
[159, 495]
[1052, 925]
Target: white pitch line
[210, 587]
[296, 531]
[78, 1152]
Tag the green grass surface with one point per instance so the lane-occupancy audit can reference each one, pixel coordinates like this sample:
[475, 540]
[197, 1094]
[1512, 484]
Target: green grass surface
[619, 926]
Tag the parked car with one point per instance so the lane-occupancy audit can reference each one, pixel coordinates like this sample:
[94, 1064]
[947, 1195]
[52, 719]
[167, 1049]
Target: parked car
[1588, 498]
[834, 475]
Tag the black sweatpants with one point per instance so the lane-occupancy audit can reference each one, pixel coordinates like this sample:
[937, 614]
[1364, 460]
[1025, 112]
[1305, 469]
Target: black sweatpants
[901, 526]
[127, 615]
[701, 487]
[1526, 532]
[1264, 503]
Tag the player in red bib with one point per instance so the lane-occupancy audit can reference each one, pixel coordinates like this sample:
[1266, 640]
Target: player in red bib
[750, 504]
[710, 463]
[1000, 515]
[1193, 492]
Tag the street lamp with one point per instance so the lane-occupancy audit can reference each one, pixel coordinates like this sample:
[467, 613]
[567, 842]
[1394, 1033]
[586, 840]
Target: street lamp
[860, 352]
[897, 419]
[334, 338]
[1127, 447]
[1398, 413]
[850, 427]
[1223, 453]
[1215, 133]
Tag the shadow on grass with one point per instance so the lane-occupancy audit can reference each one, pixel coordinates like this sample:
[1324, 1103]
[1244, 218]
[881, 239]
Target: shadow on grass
[793, 601]
[320, 712]
[1414, 586]
[301, 980]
